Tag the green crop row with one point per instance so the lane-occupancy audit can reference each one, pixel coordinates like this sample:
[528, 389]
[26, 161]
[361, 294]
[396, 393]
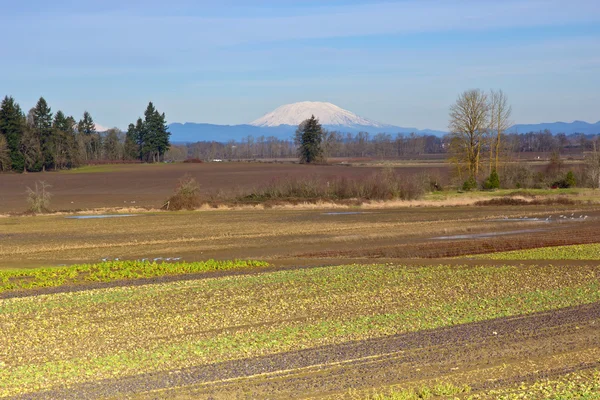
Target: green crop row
[69, 338]
[111, 271]
[577, 385]
[574, 252]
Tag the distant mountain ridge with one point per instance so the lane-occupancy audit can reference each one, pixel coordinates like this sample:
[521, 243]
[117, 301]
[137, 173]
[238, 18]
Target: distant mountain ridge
[283, 122]
[567, 128]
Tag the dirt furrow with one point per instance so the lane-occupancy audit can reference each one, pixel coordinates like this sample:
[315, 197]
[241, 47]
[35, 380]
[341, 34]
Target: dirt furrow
[369, 363]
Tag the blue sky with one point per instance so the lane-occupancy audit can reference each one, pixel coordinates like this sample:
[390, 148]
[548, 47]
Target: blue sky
[229, 62]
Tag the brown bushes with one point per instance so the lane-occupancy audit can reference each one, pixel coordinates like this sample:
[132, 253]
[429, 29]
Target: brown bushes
[384, 185]
[515, 201]
[186, 196]
[39, 198]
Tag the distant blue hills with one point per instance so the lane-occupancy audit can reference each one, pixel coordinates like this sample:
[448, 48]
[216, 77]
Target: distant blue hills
[567, 128]
[190, 132]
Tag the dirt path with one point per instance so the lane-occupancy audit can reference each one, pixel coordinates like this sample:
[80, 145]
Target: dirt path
[514, 349]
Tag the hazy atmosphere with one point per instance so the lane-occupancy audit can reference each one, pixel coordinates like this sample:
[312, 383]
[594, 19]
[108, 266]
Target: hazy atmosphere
[397, 62]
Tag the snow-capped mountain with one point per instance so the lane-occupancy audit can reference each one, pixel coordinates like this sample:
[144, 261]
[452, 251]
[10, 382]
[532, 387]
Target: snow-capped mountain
[283, 121]
[327, 113]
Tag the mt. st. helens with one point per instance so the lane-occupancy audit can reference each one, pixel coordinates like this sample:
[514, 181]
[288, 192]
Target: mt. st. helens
[283, 121]
[327, 113]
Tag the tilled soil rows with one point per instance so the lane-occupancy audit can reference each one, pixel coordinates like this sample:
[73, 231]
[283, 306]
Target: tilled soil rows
[572, 334]
[556, 235]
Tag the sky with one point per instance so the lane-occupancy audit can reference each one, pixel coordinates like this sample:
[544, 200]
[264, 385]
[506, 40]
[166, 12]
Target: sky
[229, 62]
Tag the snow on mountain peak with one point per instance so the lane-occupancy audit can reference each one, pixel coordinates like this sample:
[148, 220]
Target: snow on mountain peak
[327, 113]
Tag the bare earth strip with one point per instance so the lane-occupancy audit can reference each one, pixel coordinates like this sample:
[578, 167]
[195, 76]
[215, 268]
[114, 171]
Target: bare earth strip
[512, 350]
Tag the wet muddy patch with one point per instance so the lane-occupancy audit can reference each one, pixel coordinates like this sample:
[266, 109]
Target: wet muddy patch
[487, 234]
[345, 213]
[100, 216]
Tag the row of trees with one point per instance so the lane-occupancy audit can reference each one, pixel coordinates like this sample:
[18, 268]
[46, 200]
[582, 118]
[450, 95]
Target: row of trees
[41, 140]
[381, 146]
[478, 124]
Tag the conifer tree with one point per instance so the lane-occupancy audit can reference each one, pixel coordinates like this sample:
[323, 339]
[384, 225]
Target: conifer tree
[12, 125]
[131, 148]
[140, 134]
[310, 136]
[42, 121]
[153, 135]
[65, 145]
[87, 132]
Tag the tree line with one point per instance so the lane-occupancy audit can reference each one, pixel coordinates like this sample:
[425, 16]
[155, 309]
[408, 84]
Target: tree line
[42, 140]
[380, 146]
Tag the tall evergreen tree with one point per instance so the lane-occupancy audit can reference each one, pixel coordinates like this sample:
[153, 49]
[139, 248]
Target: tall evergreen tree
[140, 134]
[131, 148]
[12, 125]
[64, 142]
[73, 155]
[153, 134]
[151, 129]
[162, 138]
[87, 131]
[42, 120]
[310, 136]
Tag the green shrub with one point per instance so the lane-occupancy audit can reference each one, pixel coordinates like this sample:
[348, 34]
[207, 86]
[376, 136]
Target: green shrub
[568, 181]
[492, 182]
[470, 184]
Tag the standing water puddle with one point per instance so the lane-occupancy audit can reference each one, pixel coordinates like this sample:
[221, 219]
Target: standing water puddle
[487, 235]
[345, 213]
[100, 216]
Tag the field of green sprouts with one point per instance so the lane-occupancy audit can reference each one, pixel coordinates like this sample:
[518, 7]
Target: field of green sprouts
[580, 385]
[61, 339]
[574, 252]
[18, 279]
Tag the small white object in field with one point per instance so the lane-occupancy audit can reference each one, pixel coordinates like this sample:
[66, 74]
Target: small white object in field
[495, 333]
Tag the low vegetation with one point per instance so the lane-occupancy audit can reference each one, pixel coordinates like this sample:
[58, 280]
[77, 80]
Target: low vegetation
[175, 325]
[439, 390]
[575, 252]
[186, 196]
[583, 385]
[383, 185]
[38, 198]
[20, 279]
[515, 201]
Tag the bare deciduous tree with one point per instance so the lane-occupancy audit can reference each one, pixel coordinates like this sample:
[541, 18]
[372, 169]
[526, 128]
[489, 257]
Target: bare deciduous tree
[469, 122]
[500, 112]
[593, 165]
[5, 162]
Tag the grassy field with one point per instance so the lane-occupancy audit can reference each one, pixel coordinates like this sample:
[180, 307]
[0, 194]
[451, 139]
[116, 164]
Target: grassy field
[177, 325]
[359, 303]
[575, 252]
[19, 279]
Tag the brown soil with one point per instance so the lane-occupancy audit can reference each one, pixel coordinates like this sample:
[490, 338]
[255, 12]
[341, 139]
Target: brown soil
[143, 185]
[433, 247]
[512, 350]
